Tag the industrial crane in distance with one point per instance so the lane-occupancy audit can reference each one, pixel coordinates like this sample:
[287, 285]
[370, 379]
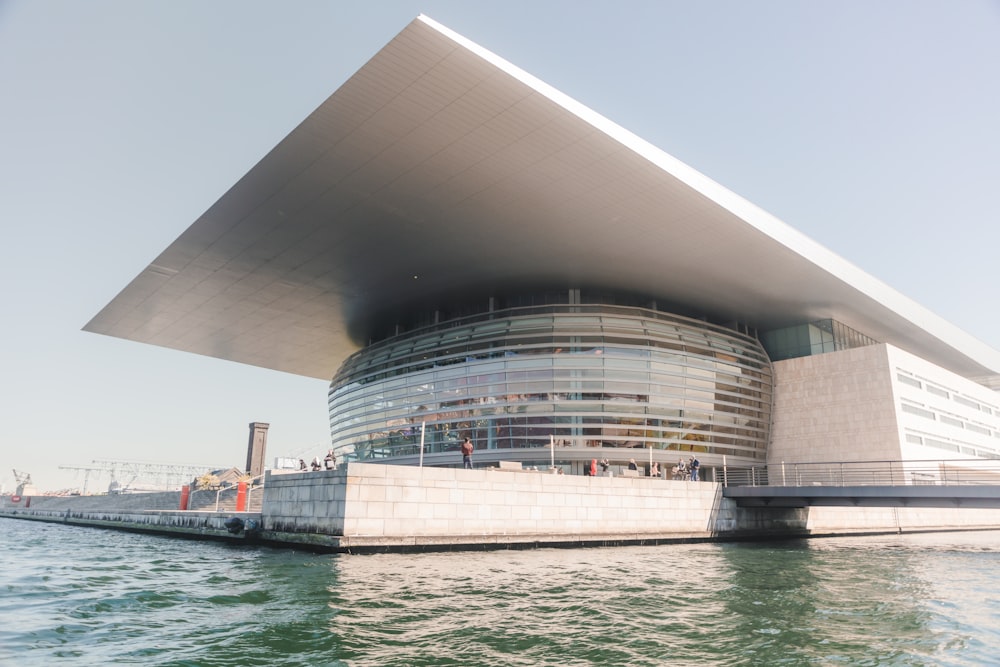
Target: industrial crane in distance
[24, 485]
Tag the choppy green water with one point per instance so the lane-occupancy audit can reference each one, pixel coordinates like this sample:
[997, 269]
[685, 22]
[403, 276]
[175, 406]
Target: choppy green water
[78, 596]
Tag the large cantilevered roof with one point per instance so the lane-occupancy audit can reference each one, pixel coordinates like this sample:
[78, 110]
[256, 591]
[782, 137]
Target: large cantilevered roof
[441, 167]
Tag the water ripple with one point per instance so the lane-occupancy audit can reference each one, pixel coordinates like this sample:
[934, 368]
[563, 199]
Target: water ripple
[78, 597]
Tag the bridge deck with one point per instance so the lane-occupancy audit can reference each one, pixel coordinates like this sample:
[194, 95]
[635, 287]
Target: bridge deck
[978, 495]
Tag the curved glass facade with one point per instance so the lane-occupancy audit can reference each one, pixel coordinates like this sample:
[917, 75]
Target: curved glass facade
[583, 376]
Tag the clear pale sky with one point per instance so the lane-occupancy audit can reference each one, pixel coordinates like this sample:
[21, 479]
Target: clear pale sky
[873, 127]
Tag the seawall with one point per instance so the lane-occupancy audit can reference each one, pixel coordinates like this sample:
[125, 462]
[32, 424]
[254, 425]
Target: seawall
[371, 507]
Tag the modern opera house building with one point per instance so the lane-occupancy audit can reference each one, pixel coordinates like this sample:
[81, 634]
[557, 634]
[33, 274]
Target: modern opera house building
[465, 250]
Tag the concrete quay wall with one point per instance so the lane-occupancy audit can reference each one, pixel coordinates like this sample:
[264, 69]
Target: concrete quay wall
[381, 506]
[838, 520]
[191, 524]
[372, 507]
[166, 500]
[205, 499]
[384, 501]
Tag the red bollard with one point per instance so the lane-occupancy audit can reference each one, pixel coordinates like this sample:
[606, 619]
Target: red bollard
[27, 502]
[185, 494]
[241, 497]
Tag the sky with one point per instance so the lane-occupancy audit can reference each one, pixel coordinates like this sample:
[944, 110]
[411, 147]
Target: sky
[871, 127]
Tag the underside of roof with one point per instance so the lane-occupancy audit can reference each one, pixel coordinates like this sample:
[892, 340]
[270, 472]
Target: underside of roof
[439, 166]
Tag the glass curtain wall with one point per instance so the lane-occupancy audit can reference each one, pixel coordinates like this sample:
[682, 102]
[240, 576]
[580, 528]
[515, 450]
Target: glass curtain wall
[803, 340]
[583, 376]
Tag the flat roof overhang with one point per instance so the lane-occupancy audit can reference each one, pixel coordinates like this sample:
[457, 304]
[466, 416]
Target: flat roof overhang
[440, 166]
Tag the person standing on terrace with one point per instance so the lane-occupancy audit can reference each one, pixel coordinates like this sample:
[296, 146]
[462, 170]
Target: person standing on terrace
[467, 453]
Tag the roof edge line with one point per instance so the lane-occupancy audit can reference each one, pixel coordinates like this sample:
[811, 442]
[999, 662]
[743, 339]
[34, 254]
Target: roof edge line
[745, 210]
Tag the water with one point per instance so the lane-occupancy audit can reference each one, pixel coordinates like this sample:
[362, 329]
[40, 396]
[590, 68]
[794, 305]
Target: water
[80, 596]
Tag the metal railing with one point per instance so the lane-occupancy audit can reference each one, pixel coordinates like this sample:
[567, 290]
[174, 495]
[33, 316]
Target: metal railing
[863, 473]
[232, 489]
[254, 483]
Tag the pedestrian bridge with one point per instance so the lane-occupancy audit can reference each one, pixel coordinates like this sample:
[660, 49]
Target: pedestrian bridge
[949, 483]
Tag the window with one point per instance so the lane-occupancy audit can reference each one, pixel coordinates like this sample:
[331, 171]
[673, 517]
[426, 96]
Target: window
[914, 410]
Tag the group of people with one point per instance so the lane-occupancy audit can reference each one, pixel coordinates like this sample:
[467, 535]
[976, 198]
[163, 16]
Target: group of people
[328, 462]
[686, 469]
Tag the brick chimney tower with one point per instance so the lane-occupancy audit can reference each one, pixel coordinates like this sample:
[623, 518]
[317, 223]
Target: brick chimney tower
[256, 448]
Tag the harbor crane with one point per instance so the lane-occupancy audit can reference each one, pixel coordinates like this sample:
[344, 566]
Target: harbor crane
[129, 476]
[161, 476]
[86, 470]
[23, 481]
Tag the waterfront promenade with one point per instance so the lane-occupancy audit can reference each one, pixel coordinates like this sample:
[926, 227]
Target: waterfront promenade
[363, 507]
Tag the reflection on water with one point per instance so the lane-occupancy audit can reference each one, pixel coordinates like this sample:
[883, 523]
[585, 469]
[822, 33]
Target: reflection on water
[843, 601]
[81, 596]
[808, 603]
[600, 606]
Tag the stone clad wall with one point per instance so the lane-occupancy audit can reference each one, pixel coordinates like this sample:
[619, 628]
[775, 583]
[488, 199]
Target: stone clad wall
[908, 519]
[306, 502]
[363, 499]
[399, 504]
[836, 406]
